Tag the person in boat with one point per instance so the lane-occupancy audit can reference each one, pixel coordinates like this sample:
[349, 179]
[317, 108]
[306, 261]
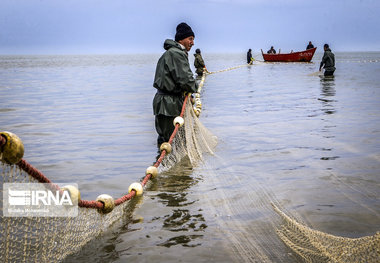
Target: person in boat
[199, 63]
[173, 77]
[310, 45]
[249, 56]
[271, 50]
[328, 61]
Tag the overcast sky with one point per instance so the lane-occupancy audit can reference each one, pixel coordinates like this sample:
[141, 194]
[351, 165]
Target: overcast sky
[123, 26]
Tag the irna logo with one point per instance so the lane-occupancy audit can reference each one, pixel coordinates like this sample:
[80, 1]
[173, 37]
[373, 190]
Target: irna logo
[38, 197]
[38, 200]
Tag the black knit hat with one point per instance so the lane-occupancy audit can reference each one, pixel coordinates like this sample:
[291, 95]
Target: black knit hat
[183, 31]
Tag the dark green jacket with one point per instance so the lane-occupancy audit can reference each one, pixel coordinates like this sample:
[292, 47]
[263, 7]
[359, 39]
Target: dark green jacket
[199, 64]
[173, 77]
[328, 60]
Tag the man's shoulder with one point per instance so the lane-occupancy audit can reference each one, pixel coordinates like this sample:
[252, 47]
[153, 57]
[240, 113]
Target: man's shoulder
[175, 53]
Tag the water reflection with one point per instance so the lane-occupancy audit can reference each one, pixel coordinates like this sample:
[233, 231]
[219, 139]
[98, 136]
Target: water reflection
[327, 92]
[173, 189]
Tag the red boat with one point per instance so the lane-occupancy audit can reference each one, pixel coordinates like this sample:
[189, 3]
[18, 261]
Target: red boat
[301, 56]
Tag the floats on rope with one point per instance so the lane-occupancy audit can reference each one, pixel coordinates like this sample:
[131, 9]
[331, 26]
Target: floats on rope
[152, 170]
[196, 101]
[167, 147]
[137, 187]
[178, 120]
[12, 148]
[108, 203]
[73, 193]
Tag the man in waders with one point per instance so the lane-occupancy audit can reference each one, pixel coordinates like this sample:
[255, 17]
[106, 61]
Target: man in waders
[328, 61]
[199, 63]
[173, 77]
[249, 56]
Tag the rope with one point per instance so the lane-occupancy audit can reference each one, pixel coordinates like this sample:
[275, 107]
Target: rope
[174, 132]
[32, 171]
[197, 102]
[227, 69]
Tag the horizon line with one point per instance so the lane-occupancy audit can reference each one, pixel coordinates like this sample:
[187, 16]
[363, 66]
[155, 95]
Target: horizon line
[150, 53]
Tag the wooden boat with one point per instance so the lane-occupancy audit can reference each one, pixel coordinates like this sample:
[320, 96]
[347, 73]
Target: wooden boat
[301, 56]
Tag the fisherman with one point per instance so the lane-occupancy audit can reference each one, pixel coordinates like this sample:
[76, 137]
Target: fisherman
[328, 61]
[249, 56]
[310, 45]
[271, 50]
[173, 77]
[199, 63]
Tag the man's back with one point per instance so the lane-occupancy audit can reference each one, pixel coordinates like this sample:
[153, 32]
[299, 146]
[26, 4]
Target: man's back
[173, 77]
[328, 59]
[198, 62]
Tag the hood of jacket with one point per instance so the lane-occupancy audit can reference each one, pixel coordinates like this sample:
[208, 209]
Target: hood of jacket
[169, 43]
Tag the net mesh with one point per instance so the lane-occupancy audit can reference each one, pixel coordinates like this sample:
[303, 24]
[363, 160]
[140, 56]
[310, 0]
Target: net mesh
[51, 239]
[316, 246]
[192, 141]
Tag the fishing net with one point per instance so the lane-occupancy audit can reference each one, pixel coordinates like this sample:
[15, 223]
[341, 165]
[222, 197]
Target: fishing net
[51, 239]
[316, 246]
[192, 140]
[257, 229]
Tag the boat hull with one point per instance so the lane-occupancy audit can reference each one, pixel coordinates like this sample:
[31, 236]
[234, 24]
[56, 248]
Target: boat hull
[301, 56]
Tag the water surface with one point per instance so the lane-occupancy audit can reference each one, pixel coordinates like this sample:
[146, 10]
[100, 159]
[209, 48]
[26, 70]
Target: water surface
[285, 135]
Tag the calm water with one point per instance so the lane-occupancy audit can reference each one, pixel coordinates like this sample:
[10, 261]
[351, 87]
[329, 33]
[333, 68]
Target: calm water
[285, 134]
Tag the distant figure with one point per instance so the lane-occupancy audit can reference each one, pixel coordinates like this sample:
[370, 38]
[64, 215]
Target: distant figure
[249, 56]
[328, 61]
[199, 63]
[310, 45]
[271, 50]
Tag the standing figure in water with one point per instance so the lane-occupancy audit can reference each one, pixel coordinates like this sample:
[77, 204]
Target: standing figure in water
[249, 56]
[199, 63]
[328, 61]
[173, 77]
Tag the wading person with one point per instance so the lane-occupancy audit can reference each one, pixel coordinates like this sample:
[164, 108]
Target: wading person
[173, 77]
[199, 63]
[249, 56]
[328, 61]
